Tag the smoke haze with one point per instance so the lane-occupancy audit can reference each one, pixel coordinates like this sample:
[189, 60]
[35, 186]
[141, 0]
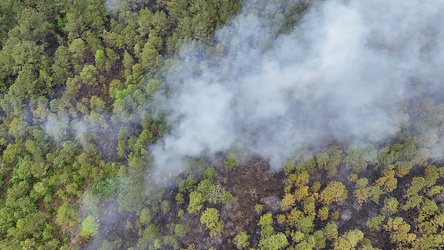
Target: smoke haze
[343, 73]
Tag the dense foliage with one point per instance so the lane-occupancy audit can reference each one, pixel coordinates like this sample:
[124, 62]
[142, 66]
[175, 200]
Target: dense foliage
[77, 83]
[76, 79]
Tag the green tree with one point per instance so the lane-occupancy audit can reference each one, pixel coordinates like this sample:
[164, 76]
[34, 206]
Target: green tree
[334, 159]
[241, 240]
[78, 50]
[323, 213]
[390, 206]
[428, 209]
[349, 240]
[274, 242]
[145, 216]
[399, 231]
[66, 215]
[177, 10]
[330, 231]
[287, 202]
[62, 66]
[100, 59]
[159, 23]
[362, 191]
[334, 192]
[403, 168]
[180, 229]
[111, 245]
[90, 227]
[322, 160]
[375, 223]
[305, 225]
[266, 223]
[413, 201]
[149, 235]
[149, 57]
[83, 16]
[196, 200]
[416, 185]
[89, 75]
[387, 182]
[210, 218]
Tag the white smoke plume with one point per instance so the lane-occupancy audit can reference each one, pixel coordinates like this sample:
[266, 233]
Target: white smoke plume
[112, 5]
[343, 73]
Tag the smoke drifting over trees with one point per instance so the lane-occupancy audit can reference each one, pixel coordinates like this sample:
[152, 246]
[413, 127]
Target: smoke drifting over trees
[345, 72]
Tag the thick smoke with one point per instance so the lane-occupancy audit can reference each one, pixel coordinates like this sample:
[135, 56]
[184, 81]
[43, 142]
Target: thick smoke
[343, 73]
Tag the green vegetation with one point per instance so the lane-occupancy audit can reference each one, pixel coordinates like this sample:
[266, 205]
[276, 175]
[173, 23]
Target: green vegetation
[241, 240]
[90, 227]
[210, 218]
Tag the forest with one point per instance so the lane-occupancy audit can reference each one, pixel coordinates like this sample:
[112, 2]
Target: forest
[221, 124]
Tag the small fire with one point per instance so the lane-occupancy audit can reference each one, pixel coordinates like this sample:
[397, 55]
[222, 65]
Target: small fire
[183, 171]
